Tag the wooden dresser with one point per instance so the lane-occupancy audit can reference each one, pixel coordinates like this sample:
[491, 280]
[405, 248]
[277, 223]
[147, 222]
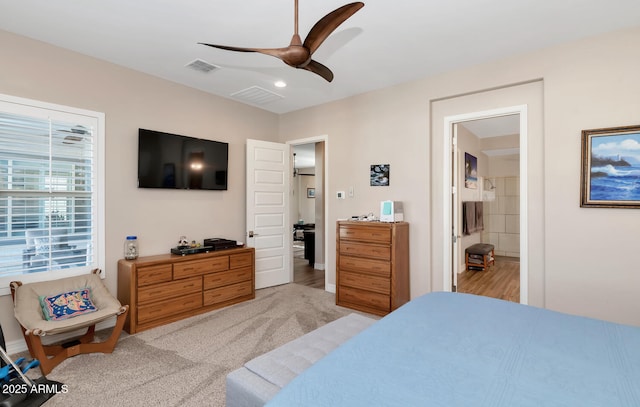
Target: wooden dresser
[166, 288]
[372, 265]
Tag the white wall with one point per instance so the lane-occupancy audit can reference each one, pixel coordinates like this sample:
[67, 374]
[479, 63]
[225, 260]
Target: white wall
[592, 83]
[502, 217]
[588, 84]
[131, 100]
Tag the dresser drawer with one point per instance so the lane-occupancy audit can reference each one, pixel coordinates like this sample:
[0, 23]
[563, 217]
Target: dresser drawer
[154, 274]
[151, 312]
[240, 260]
[364, 298]
[365, 234]
[364, 282]
[366, 250]
[227, 293]
[223, 278]
[173, 289]
[200, 267]
[366, 266]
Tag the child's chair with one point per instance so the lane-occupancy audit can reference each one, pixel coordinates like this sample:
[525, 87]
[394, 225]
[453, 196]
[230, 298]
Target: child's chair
[62, 306]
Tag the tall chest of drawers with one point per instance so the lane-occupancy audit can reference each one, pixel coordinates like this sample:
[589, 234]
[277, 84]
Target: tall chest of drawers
[372, 265]
[166, 288]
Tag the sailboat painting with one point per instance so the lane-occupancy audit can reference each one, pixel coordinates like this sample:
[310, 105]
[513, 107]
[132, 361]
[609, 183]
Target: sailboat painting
[611, 167]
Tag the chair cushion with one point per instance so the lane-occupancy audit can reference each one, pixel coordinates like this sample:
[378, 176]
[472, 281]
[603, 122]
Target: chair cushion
[480, 248]
[67, 305]
[29, 314]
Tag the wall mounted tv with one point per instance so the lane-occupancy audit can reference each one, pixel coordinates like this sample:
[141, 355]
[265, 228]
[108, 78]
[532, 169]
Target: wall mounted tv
[179, 162]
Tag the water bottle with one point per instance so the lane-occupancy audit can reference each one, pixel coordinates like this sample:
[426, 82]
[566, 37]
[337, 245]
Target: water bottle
[131, 248]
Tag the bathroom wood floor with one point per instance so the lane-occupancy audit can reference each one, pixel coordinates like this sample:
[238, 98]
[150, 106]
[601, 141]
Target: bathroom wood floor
[499, 281]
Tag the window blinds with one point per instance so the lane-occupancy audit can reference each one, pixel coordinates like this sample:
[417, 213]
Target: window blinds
[47, 199]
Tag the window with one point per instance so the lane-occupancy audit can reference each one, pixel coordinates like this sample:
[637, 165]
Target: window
[51, 183]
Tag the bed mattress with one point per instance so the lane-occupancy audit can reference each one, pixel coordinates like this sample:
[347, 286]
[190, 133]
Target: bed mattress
[451, 349]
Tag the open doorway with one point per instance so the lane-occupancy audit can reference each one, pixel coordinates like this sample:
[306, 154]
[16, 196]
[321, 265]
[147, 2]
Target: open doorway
[458, 160]
[307, 207]
[488, 184]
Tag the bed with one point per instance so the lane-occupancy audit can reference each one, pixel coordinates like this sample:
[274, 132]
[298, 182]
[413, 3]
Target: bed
[451, 349]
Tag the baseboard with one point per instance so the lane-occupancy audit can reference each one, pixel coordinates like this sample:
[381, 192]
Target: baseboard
[330, 288]
[318, 266]
[19, 345]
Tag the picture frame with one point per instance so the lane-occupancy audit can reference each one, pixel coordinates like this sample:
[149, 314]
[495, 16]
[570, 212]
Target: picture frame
[311, 192]
[470, 171]
[610, 168]
[379, 175]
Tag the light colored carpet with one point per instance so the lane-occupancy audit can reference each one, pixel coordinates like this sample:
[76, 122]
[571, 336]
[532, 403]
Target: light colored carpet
[185, 363]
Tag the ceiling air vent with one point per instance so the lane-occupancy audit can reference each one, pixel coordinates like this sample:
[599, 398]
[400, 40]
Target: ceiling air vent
[202, 66]
[256, 95]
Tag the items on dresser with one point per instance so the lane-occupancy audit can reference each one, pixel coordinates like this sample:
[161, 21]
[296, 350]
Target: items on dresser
[372, 265]
[166, 288]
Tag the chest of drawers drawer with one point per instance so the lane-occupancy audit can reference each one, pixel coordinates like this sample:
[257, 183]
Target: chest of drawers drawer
[240, 260]
[371, 251]
[363, 233]
[227, 293]
[363, 299]
[365, 266]
[200, 267]
[172, 289]
[151, 312]
[364, 282]
[223, 278]
[154, 274]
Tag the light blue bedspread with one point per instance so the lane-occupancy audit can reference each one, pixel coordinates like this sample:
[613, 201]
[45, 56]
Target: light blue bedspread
[446, 349]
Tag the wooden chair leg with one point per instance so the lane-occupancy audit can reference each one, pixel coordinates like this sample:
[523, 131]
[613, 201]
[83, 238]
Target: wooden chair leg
[109, 344]
[51, 356]
[37, 351]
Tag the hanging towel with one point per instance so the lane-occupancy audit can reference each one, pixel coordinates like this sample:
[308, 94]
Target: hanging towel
[468, 218]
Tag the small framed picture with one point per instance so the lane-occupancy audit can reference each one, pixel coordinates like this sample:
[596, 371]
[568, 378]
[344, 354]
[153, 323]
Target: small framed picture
[311, 192]
[470, 171]
[379, 175]
[610, 176]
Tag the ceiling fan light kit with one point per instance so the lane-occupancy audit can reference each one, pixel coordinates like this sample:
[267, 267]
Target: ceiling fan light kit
[299, 54]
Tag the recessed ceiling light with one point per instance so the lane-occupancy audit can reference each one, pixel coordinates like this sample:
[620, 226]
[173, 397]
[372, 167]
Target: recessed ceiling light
[280, 84]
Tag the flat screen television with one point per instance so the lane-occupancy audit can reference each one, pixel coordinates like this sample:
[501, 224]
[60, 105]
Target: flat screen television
[179, 162]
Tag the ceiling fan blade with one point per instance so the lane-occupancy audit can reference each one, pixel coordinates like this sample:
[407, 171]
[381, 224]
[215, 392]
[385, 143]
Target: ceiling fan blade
[280, 53]
[325, 26]
[239, 49]
[319, 69]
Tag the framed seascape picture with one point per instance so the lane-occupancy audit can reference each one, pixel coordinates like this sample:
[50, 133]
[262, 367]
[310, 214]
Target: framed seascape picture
[470, 171]
[610, 175]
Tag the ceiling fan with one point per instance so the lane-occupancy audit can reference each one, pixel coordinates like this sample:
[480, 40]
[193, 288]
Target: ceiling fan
[298, 54]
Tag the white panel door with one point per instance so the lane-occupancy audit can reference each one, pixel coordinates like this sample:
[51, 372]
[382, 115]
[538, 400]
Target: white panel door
[268, 225]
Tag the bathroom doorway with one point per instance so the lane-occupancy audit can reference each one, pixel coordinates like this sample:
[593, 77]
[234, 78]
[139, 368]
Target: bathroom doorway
[494, 190]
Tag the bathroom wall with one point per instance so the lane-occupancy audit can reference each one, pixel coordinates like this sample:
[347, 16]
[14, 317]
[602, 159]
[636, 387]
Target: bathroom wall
[502, 216]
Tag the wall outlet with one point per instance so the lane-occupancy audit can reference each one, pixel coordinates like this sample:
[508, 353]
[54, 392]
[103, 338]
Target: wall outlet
[340, 195]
